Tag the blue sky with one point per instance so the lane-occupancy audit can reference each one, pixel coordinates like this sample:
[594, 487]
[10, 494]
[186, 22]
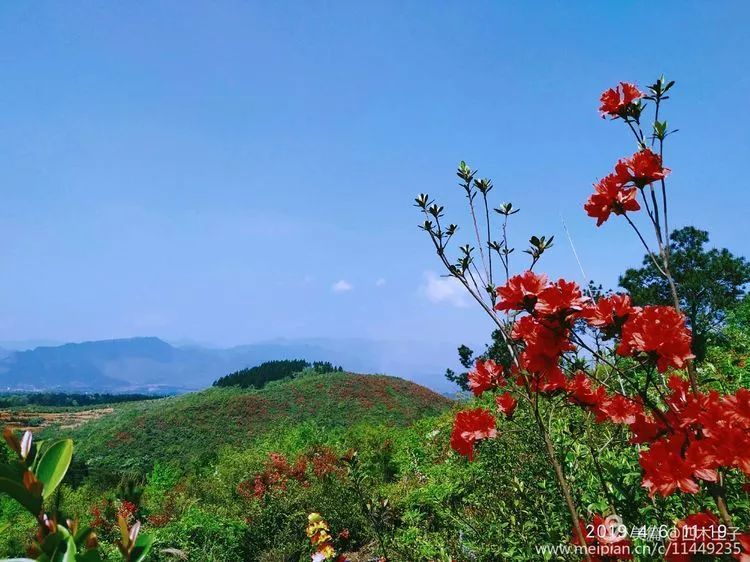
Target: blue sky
[228, 172]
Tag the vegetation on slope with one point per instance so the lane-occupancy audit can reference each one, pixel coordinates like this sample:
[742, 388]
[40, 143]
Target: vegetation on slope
[194, 427]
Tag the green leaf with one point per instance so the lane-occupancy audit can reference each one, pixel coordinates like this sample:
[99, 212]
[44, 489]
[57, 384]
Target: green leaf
[18, 492]
[143, 546]
[70, 551]
[54, 465]
[12, 471]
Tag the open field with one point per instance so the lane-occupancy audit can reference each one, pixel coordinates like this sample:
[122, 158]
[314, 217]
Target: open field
[36, 418]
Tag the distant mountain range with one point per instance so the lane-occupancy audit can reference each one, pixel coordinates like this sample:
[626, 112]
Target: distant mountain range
[149, 364]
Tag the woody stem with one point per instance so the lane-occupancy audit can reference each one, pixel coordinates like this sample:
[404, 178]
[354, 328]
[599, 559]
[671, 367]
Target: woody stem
[561, 480]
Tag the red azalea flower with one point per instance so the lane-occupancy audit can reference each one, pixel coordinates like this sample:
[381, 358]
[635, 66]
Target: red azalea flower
[560, 300]
[645, 429]
[679, 391]
[485, 376]
[693, 410]
[744, 540]
[581, 391]
[643, 168]
[611, 197]
[738, 407]
[619, 409]
[469, 427]
[657, 330]
[696, 529]
[550, 380]
[665, 470]
[607, 312]
[521, 291]
[506, 404]
[733, 448]
[617, 101]
[541, 338]
[701, 457]
[543, 348]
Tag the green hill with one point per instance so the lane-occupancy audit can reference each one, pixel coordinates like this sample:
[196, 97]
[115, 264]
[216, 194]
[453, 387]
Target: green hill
[194, 427]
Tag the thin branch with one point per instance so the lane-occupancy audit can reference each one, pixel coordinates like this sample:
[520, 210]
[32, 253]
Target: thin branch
[645, 245]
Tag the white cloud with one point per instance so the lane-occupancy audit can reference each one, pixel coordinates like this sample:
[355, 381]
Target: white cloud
[443, 289]
[380, 282]
[342, 286]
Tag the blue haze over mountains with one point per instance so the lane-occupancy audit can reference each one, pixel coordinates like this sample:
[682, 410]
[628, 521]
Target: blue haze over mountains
[149, 364]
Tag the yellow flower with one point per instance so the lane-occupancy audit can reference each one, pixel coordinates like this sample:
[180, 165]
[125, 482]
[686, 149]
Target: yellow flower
[314, 528]
[320, 538]
[314, 517]
[327, 551]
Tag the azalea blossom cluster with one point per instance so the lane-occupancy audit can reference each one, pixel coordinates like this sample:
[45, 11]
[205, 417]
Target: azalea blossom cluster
[544, 334]
[617, 192]
[279, 472]
[620, 101]
[319, 533]
[690, 438]
[702, 534]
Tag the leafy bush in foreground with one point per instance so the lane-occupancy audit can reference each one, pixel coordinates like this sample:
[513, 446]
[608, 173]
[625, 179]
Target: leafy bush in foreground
[33, 479]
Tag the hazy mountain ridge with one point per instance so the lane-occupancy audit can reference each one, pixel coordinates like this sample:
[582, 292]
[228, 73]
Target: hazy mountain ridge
[149, 364]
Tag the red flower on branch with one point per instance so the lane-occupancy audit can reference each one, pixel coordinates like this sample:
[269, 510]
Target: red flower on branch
[645, 429]
[521, 292]
[666, 470]
[611, 197]
[641, 169]
[692, 532]
[738, 407]
[619, 409]
[659, 331]
[733, 448]
[560, 300]
[486, 375]
[581, 391]
[544, 344]
[608, 312]
[469, 427]
[616, 102]
[506, 404]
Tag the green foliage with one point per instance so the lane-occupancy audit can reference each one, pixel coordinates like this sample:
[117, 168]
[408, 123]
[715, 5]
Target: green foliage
[194, 427]
[205, 534]
[709, 282]
[728, 358]
[259, 376]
